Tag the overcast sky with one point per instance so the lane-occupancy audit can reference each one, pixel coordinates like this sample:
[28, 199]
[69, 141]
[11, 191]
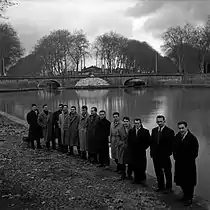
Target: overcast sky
[144, 20]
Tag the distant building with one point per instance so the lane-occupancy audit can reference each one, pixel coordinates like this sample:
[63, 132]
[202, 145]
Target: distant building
[91, 70]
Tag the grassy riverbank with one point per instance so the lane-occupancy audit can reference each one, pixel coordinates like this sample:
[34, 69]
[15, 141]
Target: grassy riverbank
[49, 180]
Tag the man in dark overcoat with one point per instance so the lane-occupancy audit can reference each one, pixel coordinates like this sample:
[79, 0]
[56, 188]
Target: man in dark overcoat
[92, 123]
[138, 142]
[102, 136]
[35, 131]
[45, 120]
[160, 151]
[185, 152]
[56, 129]
[73, 131]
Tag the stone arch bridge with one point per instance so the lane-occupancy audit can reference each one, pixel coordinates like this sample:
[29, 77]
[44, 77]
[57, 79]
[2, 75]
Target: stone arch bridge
[70, 81]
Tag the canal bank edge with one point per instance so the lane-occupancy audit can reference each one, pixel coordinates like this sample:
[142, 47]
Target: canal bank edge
[199, 201]
[109, 87]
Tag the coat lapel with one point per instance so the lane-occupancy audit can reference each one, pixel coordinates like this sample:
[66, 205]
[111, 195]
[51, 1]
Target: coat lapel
[72, 118]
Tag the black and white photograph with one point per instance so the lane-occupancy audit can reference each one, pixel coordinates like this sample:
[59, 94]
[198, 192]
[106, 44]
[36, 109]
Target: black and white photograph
[104, 104]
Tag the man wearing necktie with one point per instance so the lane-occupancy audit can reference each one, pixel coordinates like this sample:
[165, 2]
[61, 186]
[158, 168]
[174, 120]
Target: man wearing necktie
[160, 151]
[185, 152]
[137, 144]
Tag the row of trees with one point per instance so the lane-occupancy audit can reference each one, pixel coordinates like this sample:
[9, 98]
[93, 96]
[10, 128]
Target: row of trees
[62, 51]
[195, 37]
[10, 47]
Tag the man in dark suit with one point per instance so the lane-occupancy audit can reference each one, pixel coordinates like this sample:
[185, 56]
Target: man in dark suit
[161, 145]
[185, 152]
[35, 131]
[138, 142]
[102, 136]
[56, 129]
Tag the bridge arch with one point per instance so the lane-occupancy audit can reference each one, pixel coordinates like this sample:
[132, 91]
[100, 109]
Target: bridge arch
[134, 82]
[50, 83]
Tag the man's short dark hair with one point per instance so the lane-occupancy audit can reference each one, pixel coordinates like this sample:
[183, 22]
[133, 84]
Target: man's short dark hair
[126, 118]
[33, 105]
[182, 123]
[95, 109]
[116, 113]
[85, 107]
[66, 105]
[161, 116]
[44, 105]
[103, 111]
[73, 107]
[60, 105]
[137, 119]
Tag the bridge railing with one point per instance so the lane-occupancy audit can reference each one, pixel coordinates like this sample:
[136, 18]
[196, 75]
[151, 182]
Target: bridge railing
[72, 76]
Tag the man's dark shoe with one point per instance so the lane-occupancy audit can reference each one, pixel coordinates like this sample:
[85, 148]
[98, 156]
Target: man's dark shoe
[182, 199]
[122, 178]
[159, 189]
[100, 166]
[143, 184]
[188, 202]
[129, 177]
[135, 182]
[167, 191]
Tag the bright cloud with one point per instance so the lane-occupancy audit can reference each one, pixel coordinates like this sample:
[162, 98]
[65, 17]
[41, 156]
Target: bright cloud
[144, 20]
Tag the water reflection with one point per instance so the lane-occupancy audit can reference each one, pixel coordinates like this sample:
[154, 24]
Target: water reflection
[48, 94]
[136, 92]
[92, 93]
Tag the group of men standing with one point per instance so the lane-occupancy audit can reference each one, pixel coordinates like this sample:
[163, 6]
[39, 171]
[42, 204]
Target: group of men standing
[92, 133]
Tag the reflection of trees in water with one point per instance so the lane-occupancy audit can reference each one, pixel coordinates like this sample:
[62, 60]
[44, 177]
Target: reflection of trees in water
[136, 92]
[99, 99]
[21, 111]
[14, 108]
[160, 109]
[92, 93]
[44, 94]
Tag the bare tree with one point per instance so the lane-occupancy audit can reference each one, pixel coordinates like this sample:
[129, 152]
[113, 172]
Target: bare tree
[174, 40]
[108, 49]
[80, 48]
[62, 51]
[10, 47]
[4, 4]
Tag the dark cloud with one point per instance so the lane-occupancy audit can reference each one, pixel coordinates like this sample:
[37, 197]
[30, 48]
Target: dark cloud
[163, 14]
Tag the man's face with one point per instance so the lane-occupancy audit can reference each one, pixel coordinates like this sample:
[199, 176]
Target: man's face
[116, 118]
[137, 124]
[92, 111]
[34, 108]
[160, 121]
[102, 115]
[45, 108]
[60, 108]
[84, 111]
[182, 129]
[73, 110]
[126, 122]
[65, 109]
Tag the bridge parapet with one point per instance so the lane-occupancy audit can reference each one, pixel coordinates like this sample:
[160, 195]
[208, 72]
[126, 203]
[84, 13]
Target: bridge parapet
[114, 80]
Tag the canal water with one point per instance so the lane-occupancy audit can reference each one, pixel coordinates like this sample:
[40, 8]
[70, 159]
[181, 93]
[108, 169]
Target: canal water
[192, 105]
